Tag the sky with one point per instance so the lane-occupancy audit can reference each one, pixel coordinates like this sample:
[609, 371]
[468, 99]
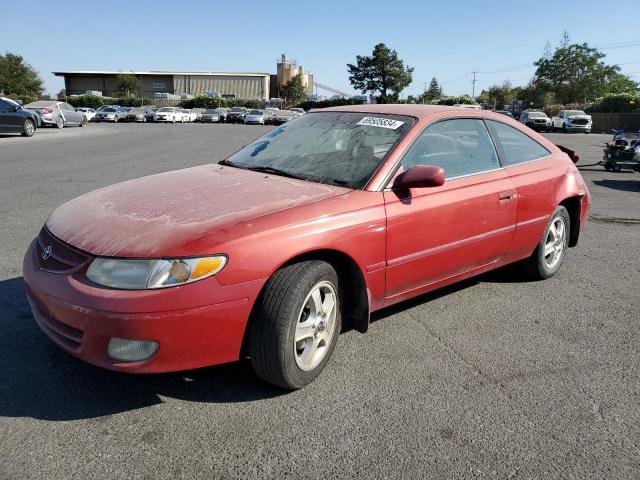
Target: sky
[448, 40]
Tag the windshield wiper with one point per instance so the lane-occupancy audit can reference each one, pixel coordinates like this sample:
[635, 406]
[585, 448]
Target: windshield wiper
[228, 163]
[276, 171]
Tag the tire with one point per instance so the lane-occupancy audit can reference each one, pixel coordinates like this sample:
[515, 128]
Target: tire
[173, 119]
[28, 128]
[608, 166]
[564, 128]
[539, 266]
[616, 167]
[115, 120]
[286, 309]
[587, 132]
[83, 122]
[144, 119]
[60, 122]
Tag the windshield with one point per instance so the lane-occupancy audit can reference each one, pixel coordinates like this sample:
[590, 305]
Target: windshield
[165, 109]
[137, 110]
[572, 113]
[237, 109]
[210, 111]
[338, 148]
[537, 115]
[109, 110]
[256, 112]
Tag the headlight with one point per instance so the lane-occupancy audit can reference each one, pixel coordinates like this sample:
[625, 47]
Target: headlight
[146, 274]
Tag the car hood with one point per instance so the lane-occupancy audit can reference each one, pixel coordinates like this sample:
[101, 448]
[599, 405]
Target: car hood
[576, 117]
[167, 214]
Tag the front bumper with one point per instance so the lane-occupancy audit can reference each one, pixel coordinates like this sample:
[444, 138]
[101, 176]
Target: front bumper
[572, 127]
[196, 325]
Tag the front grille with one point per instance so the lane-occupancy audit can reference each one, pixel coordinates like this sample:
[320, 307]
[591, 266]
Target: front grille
[540, 121]
[580, 121]
[65, 335]
[56, 256]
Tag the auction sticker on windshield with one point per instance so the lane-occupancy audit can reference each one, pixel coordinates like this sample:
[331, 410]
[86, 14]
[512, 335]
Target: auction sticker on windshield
[380, 122]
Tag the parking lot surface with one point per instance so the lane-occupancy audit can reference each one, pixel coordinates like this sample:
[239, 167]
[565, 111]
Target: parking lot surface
[497, 377]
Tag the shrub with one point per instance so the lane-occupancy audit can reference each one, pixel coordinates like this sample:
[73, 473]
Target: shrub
[616, 102]
[334, 102]
[462, 99]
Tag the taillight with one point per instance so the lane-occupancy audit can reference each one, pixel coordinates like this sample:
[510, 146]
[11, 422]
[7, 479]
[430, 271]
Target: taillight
[47, 110]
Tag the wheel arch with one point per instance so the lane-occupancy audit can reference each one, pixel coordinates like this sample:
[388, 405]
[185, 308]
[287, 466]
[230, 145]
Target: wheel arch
[572, 204]
[353, 289]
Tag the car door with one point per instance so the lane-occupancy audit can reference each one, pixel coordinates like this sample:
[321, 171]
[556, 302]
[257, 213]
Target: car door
[533, 170]
[560, 119]
[9, 120]
[437, 233]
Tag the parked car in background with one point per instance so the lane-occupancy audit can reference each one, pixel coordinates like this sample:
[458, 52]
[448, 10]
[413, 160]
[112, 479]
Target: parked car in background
[271, 113]
[572, 121]
[536, 120]
[90, 113]
[210, 116]
[255, 117]
[505, 112]
[236, 115]
[284, 116]
[198, 112]
[99, 109]
[266, 253]
[58, 114]
[15, 119]
[298, 111]
[111, 114]
[141, 114]
[168, 115]
[191, 116]
[223, 112]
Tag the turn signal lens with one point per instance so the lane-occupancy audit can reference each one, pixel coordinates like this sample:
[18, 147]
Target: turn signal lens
[207, 266]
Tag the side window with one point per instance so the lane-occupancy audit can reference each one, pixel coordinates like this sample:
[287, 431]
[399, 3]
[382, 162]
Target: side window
[460, 146]
[517, 146]
[5, 106]
[561, 114]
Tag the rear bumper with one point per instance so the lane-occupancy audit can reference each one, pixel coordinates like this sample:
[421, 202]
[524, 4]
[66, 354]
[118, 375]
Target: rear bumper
[195, 325]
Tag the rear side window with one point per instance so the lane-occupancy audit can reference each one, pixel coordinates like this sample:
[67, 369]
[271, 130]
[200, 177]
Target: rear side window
[460, 146]
[516, 146]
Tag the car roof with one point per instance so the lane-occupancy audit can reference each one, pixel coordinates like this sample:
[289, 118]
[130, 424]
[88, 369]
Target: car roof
[412, 110]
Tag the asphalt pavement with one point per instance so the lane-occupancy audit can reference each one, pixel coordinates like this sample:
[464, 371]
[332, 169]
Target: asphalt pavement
[496, 377]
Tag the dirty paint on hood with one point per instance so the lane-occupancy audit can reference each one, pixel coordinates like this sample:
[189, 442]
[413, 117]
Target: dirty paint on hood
[159, 215]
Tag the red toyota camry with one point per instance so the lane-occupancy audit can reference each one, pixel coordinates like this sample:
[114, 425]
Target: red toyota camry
[322, 221]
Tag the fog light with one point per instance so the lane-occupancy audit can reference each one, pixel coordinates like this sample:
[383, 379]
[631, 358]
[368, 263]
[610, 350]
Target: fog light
[131, 350]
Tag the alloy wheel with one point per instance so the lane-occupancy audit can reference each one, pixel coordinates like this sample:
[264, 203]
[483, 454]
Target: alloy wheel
[316, 326]
[555, 243]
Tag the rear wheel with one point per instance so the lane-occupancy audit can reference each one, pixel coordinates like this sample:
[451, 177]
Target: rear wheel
[608, 166]
[60, 122]
[83, 122]
[296, 324]
[28, 129]
[616, 167]
[564, 128]
[547, 258]
[115, 120]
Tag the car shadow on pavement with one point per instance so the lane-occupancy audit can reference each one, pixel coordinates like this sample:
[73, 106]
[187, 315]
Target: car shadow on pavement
[507, 274]
[623, 185]
[39, 380]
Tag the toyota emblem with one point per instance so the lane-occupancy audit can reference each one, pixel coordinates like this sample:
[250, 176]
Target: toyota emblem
[46, 253]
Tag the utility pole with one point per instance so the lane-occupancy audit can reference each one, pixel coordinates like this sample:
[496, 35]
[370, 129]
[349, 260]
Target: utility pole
[473, 85]
[424, 94]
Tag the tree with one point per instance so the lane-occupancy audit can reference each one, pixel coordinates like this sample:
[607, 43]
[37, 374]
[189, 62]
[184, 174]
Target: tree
[434, 92]
[62, 94]
[128, 85]
[576, 73]
[383, 72]
[499, 95]
[294, 91]
[18, 78]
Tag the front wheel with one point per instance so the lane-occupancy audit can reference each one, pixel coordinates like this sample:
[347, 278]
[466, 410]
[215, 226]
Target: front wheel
[296, 324]
[115, 120]
[28, 129]
[564, 128]
[83, 122]
[547, 258]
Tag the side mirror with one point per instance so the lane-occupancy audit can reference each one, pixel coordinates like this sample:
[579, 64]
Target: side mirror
[17, 107]
[420, 176]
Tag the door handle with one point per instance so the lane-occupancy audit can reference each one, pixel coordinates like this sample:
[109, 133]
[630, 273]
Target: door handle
[505, 197]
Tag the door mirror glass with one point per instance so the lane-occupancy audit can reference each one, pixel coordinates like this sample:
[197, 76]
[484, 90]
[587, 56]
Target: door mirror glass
[420, 176]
